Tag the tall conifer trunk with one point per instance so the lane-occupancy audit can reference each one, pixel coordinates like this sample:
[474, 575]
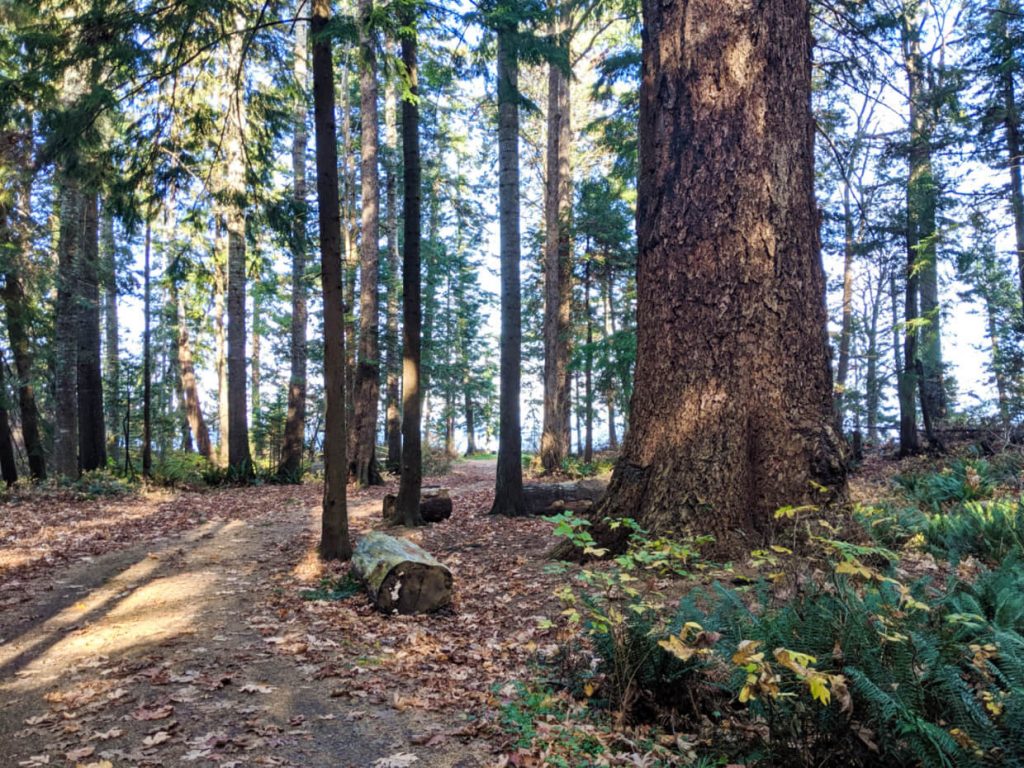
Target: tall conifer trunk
[407, 506]
[363, 446]
[732, 413]
[92, 440]
[65, 438]
[111, 342]
[508, 485]
[295, 421]
[334, 540]
[189, 387]
[393, 418]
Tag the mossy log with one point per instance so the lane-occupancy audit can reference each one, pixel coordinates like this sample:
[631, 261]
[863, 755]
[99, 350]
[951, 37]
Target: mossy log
[552, 498]
[435, 505]
[400, 575]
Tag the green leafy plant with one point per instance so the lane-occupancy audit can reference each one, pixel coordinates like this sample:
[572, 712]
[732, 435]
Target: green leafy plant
[333, 589]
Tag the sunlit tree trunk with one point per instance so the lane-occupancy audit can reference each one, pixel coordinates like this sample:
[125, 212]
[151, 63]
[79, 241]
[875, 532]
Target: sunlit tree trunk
[407, 506]
[189, 387]
[363, 449]
[393, 423]
[334, 539]
[732, 414]
[65, 438]
[111, 341]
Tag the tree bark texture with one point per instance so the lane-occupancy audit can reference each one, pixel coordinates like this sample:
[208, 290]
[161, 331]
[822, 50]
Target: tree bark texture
[147, 356]
[363, 449]
[732, 414]
[557, 269]
[508, 484]
[334, 539]
[92, 439]
[65, 438]
[189, 387]
[239, 458]
[393, 412]
[295, 421]
[400, 576]
[407, 509]
[111, 341]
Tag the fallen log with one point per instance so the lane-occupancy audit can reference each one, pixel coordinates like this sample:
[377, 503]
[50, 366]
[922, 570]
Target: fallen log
[435, 505]
[400, 575]
[552, 498]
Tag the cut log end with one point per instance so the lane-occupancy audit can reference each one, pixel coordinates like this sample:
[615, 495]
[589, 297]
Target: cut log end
[401, 576]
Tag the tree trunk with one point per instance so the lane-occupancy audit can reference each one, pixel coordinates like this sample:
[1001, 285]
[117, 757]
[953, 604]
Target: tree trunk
[872, 385]
[65, 438]
[732, 414]
[470, 420]
[557, 266]
[16, 310]
[508, 485]
[239, 458]
[363, 453]
[351, 256]
[8, 466]
[147, 355]
[92, 439]
[1015, 154]
[846, 330]
[290, 465]
[922, 200]
[407, 509]
[997, 363]
[552, 498]
[393, 423]
[588, 375]
[111, 355]
[609, 333]
[334, 539]
[189, 387]
[220, 282]
[435, 505]
[255, 380]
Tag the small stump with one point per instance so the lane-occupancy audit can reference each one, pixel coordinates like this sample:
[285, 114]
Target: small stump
[435, 505]
[400, 575]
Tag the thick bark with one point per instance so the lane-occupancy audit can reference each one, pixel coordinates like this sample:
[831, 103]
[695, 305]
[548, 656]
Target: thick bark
[552, 498]
[334, 539]
[92, 440]
[732, 413]
[363, 448]
[189, 387]
[392, 347]
[295, 421]
[239, 458]
[65, 438]
[508, 485]
[557, 267]
[111, 343]
[147, 357]
[400, 576]
[407, 508]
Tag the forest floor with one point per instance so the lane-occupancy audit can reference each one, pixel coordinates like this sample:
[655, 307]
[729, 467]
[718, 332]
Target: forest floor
[177, 628]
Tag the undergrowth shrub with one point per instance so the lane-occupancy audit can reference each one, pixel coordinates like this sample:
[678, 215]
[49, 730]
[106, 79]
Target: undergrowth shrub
[989, 530]
[180, 469]
[849, 667]
[963, 480]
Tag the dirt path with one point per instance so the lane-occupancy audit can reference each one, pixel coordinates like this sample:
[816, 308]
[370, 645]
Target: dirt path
[183, 652]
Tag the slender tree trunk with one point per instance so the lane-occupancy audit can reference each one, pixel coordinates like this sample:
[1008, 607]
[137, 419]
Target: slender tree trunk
[189, 387]
[732, 414]
[8, 465]
[111, 343]
[351, 255]
[220, 283]
[407, 507]
[334, 539]
[609, 332]
[922, 198]
[846, 331]
[147, 355]
[290, 465]
[239, 458]
[92, 440]
[470, 420]
[16, 312]
[255, 380]
[588, 376]
[557, 265]
[873, 387]
[363, 453]
[997, 363]
[393, 424]
[508, 486]
[1014, 152]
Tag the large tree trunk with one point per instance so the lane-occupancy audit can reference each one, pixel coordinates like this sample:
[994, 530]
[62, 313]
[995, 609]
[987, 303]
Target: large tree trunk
[393, 413]
[65, 438]
[407, 508]
[295, 422]
[732, 414]
[557, 267]
[111, 342]
[189, 387]
[16, 309]
[363, 452]
[239, 458]
[508, 484]
[334, 540]
[92, 439]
